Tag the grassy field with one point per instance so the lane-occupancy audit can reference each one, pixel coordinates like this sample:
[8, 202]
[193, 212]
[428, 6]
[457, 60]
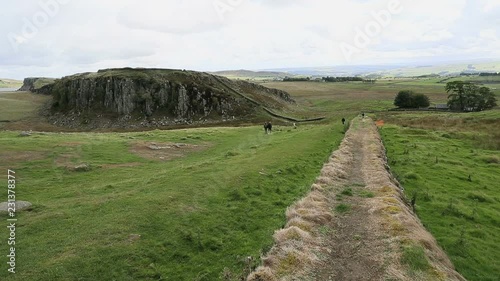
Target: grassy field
[196, 215]
[9, 83]
[455, 179]
[197, 211]
[349, 99]
[18, 105]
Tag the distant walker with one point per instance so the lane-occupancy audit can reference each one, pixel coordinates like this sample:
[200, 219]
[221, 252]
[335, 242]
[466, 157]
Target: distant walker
[268, 127]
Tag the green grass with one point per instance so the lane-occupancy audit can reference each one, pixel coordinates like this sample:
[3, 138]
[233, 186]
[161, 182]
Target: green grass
[347, 192]
[196, 215]
[43, 82]
[17, 105]
[463, 215]
[350, 99]
[203, 214]
[366, 194]
[9, 83]
[414, 257]
[343, 208]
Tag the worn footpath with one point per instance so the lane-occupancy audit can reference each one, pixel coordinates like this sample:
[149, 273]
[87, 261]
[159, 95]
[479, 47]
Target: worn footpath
[355, 224]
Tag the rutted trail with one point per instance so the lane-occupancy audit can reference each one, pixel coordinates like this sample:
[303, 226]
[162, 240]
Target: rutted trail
[355, 224]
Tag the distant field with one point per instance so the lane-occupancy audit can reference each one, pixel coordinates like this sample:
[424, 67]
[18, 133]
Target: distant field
[18, 105]
[441, 69]
[356, 97]
[9, 83]
[252, 75]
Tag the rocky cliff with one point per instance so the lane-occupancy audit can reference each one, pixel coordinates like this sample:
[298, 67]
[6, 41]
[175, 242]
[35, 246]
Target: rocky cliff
[33, 84]
[156, 96]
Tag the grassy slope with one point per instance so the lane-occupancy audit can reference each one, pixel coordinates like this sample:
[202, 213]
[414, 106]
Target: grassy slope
[463, 215]
[196, 215]
[43, 82]
[9, 83]
[18, 105]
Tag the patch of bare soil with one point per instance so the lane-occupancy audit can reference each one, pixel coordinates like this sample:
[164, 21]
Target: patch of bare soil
[164, 151]
[9, 159]
[354, 224]
[66, 159]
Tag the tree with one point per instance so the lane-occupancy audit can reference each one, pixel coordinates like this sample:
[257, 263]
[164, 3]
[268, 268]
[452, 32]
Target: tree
[487, 99]
[404, 99]
[421, 100]
[466, 96]
[409, 99]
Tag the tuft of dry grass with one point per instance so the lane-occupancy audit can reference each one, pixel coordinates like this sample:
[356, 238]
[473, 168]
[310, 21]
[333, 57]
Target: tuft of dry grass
[291, 233]
[263, 273]
[300, 223]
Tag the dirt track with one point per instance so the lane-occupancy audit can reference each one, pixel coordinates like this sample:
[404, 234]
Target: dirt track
[355, 224]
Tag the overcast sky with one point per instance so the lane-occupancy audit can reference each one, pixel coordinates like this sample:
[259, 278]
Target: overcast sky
[61, 37]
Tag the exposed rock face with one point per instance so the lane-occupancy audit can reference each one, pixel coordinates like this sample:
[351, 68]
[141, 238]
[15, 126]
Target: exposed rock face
[28, 85]
[153, 94]
[35, 84]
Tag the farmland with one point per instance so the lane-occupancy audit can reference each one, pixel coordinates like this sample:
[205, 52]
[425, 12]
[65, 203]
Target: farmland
[217, 197]
[135, 215]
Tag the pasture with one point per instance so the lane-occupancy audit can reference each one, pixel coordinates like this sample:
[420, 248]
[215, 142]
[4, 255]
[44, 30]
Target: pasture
[172, 205]
[454, 176]
[194, 204]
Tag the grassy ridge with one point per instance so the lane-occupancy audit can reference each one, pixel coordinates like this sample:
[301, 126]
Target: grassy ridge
[9, 83]
[196, 215]
[462, 214]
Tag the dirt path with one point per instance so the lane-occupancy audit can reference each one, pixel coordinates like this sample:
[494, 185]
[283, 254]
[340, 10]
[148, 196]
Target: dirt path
[355, 224]
[355, 245]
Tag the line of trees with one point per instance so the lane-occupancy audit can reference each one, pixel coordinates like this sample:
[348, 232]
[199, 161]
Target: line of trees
[466, 96]
[489, 74]
[410, 99]
[296, 79]
[342, 79]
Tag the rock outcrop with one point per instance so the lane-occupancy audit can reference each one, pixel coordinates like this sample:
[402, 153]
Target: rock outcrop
[34, 84]
[159, 95]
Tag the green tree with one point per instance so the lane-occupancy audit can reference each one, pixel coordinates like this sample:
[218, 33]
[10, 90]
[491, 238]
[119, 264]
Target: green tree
[409, 99]
[404, 99]
[486, 98]
[467, 96]
[421, 100]
[457, 94]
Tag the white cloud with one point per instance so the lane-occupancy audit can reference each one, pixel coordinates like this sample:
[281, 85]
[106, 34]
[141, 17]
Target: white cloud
[490, 5]
[255, 34]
